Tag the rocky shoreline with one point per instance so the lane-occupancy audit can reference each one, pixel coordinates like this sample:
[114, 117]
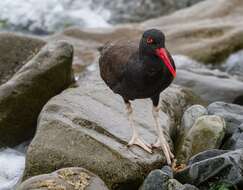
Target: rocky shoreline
[78, 129]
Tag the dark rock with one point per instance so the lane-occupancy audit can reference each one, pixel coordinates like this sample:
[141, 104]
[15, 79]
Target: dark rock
[206, 155]
[234, 142]
[24, 95]
[87, 126]
[156, 179]
[65, 179]
[226, 167]
[15, 51]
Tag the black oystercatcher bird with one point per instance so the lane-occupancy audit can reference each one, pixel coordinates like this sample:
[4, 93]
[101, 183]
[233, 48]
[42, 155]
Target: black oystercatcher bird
[137, 71]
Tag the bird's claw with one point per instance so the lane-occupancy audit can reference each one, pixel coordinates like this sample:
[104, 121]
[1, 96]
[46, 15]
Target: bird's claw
[137, 141]
[166, 149]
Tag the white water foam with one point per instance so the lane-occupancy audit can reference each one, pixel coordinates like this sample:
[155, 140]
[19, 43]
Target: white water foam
[52, 15]
[12, 162]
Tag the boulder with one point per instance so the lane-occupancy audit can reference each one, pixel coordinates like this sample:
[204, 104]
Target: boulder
[206, 133]
[87, 126]
[24, 95]
[226, 167]
[65, 179]
[15, 51]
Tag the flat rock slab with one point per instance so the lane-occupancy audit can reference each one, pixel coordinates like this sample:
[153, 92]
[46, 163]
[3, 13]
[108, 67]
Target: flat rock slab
[65, 179]
[23, 96]
[87, 126]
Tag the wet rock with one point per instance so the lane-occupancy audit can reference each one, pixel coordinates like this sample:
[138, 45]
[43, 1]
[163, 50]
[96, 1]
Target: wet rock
[206, 155]
[223, 168]
[24, 95]
[65, 179]
[87, 126]
[234, 142]
[156, 179]
[206, 133]
[15, 51]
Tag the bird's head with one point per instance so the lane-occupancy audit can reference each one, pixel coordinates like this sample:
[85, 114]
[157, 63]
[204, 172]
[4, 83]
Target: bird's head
[151, 41]
[152, 44]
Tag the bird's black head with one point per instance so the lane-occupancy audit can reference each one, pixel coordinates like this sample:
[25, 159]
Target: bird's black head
[152, 45]
[151, 41]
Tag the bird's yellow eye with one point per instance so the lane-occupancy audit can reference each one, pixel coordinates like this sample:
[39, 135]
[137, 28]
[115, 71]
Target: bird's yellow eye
[150, 40]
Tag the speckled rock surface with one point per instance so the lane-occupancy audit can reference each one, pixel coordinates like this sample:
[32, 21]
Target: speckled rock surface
[87, 126]
[65, 179]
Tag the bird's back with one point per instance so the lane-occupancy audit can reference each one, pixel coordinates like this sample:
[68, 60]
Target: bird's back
[113, 61]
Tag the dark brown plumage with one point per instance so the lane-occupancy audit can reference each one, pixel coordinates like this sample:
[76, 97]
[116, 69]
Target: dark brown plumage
[138, 70]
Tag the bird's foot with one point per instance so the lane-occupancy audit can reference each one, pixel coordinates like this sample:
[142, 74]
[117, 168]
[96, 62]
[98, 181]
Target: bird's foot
[137, 141]
[166, 149]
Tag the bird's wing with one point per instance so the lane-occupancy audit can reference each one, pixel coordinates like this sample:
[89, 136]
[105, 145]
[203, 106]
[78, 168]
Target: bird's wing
[114, 59]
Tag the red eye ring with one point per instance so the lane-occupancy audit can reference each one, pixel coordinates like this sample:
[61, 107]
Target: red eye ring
[150, 40]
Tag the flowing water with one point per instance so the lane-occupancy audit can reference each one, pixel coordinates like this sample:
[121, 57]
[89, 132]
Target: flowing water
[12, 163]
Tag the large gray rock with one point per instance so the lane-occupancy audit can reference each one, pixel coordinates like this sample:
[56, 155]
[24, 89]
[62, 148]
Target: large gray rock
[206, 133]
[210, 85]
[15, 51]
[65, 179]
[87, 126]
[24, 95]
[223, 168]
